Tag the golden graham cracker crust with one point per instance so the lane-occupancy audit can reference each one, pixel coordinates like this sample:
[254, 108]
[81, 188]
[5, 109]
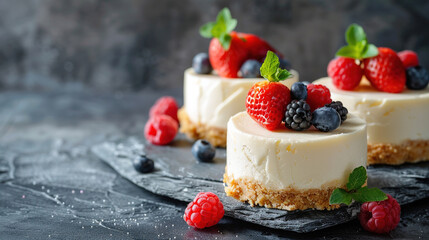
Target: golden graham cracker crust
[410, 151]
[216, 136]
[254, 193]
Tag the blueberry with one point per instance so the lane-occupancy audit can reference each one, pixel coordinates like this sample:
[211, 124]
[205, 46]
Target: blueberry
[326, 119]
[201, 63]
[417, 78]
[143, 164]
[203, 151]
[250, 69]
[284, 64]
[299, 91]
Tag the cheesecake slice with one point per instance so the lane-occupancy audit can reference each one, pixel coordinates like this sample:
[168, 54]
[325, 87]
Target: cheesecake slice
[397, 124]
[209, 102]
[291, 170]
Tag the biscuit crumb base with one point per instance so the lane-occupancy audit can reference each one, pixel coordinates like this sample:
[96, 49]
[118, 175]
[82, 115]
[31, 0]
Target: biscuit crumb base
[410, 151]
[216, 136]
[254, 193]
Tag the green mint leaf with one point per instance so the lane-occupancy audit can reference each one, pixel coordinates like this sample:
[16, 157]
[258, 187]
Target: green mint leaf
[221, 28]
[339, 196]
[349, 51]
[357, 178]
[370, 51]
[282, 74]
[225, 41]
[366, 194]
[206, 30]
[270, 66]
[355, 34]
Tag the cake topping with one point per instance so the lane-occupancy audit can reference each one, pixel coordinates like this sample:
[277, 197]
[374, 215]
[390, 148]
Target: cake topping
[201, 63]
[338, 106]
[345, 73]
[385, 71]
[409, 58]
[250, 69]
[417, 78]
[383, 67]
[266, 101]
[298, 91]
[228, 50]
[326, 119]
[298, 115]
[318, 96]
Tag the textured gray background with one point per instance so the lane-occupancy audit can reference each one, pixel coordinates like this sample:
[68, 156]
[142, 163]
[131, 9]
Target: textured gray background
[131, 45]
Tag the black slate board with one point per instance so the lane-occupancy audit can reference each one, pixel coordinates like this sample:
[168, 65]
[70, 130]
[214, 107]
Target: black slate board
[179, 176]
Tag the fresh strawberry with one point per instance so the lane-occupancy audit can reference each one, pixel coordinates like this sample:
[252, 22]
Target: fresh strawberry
[409, 58]
[385, 71]
[227, 62]
[257, 47]
[266, 101]
[345, 73]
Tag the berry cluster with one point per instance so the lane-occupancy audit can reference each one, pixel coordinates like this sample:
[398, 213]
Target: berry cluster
[385, 69]
[232, 54]
[270, 103]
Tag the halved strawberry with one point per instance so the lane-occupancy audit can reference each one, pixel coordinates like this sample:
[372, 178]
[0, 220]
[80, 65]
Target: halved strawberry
[227, 62]
[257, 46]
[385, 71]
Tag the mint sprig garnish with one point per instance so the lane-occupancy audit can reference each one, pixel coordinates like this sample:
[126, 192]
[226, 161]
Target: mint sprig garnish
[358, 46]
[355, 191]
[270, 69]
[221, 28]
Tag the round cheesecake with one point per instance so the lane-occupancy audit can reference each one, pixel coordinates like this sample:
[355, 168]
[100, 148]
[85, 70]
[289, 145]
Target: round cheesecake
[287, 169]
[209, 102]
[397, 123]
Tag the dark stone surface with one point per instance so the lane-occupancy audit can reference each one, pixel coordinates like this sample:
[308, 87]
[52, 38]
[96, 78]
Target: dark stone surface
[178, 175]
[53, 187]
[130, 45]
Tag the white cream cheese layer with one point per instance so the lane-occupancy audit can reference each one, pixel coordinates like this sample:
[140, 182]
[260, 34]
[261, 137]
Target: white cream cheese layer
[390, 117]
[284, 158]
[212, 100]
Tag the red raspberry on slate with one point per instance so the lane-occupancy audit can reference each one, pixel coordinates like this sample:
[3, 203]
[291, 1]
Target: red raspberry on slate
[385, 71]
[409, 58]
[345, 73]
[318, 96]
[160, 129]
[205, 211]
[165, 106]
[380, 217]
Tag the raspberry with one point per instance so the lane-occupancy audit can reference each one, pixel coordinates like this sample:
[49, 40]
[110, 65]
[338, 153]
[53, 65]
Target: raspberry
[205, 211]
[345, 73]
[318, 96]
[160, 129]
[380, 217]
[409, 58]
[165, 106]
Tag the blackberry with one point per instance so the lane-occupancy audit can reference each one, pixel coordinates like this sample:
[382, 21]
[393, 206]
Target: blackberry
[298, 115]
[338, 106]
